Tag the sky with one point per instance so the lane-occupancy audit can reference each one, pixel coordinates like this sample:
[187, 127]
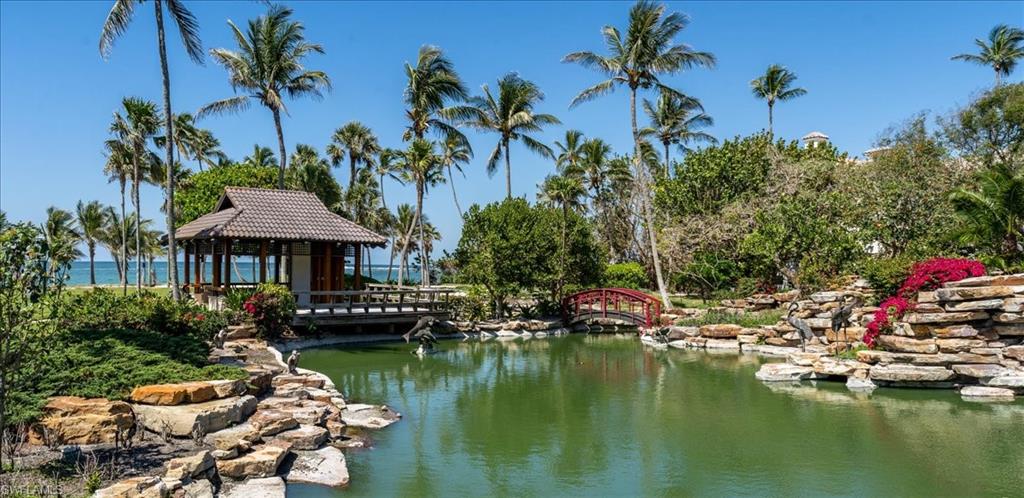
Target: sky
[866, 66]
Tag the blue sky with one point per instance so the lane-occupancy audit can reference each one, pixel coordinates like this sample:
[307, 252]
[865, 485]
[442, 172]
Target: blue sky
[866, 66]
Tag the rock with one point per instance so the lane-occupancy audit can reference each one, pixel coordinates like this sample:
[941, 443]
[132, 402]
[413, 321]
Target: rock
[874, 356]
[899, 372]
[1015, 352]
[199, 489]
[989, 281]
[826, 297]
[244, 331]
[1009, 317]
[929, 308]
[262, 462]
[721, 331]
[142, 487]
[782, 372]
[803, 359]
[908, 345]
[270, 487]
[843, 368]
[785, 297]
[860, 385]
[963, 316]
[781, 342]
[182, 420]
[927, 297]
[986, 304]
[676, 332]
[173, 394]
[987, 351]
[748, 339]
[325, 466]
[959, 345]
[74, 420]
[369, 416]
[311, 412]
[954, 331]
[228, 388]
[305, 380]
[722, 344]
[1001, 329]
[973, 293]
[986, 394]
[767, 350]
[187, 467]
[851, 334]
[335, 428]
[259, 378]
[270, 421]
[305, 437]
[1013, 304]
[224, 454]
[1013, 380]
[983, 371]
[229, 439]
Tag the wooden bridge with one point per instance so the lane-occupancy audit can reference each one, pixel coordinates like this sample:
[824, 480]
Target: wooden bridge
[623, 304]
[379, 305]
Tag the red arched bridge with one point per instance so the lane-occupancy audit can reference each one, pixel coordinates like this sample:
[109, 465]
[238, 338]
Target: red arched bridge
[623, 304]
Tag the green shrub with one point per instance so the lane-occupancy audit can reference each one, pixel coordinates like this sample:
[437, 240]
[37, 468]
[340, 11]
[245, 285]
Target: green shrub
[473, 306]
[749, 320]
[629, 275]
[272, 308]
[235, 298]
[886, 275]
[102, 309]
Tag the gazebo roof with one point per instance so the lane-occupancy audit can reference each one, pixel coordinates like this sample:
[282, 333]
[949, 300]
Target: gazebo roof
[255, 213]
[815, 134]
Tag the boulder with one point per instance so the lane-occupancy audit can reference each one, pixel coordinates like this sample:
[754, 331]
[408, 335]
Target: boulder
[720, 331]
[228, 439]
[262, 462]
[927, 297]
[803, 359]
[199, 489]
[174, 394]
[305, 437]
[142, 487]
[677, 332]
[989, 281]
[748, 339]
[1008, 330]
[850, 334]
[74, 420]
[874, 356]
[185, 468]
[962, 316]
[974, 293]
[311, 412]
[983, 371]
[722, 344]
[899, 372]
[201, 418]
[782, 372]
[305, 380]
[986, 394]
[1012, 380]
[1009, 318]
[335, 428]
[857, 384]
[952, 331]
[959, 345]
[767, 350]
[259, 378]
[908, 345]
[369, 416]
[829, 366]
[244, 331]
[787, 296]
[225, 454]
[272, 421]
[827, 297]
[325, 467]
[269, 487]
[228, 388]
[985, 304]
[1013, 305]
[1015, 352]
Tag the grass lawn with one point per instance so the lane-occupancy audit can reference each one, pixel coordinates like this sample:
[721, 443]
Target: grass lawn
[692, 302]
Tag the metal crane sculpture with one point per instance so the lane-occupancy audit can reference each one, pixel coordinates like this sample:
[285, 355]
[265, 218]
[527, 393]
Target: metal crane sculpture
[801, 326]
[841, 316]
[421, 331]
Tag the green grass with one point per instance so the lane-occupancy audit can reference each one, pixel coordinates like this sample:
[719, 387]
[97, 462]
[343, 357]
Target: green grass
[692, 302]
[748, 320]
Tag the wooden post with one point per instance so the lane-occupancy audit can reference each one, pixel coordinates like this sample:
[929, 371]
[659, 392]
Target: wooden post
[198, 267]
[227, 264]
[277, 263]
[263, 261]
[341, 276]
[216, 264]
[185, 247]
[357, 275]
[326, 274]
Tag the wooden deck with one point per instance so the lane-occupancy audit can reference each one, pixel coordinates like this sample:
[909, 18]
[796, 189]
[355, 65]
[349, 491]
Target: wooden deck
[381, 305]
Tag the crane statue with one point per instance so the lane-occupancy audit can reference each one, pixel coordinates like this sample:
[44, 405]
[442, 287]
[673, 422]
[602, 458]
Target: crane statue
[841, 316]
[801, 326]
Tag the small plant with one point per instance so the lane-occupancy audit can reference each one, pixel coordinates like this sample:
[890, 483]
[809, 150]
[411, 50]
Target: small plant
[272, 308]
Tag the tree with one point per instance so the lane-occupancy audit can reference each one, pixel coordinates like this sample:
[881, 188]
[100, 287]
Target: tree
[647, 52]
[387, 165]
[311, 173]
[116, 24]
[993, 214]
[991, 128]
[432, 87]
[676, 120]
[1001, 52]
[422, 167]
[357, 141]
[268, 66]
[92, 219]
[201, 191]
[112, 237]
[119, 167]
[261, 156]
[139, 124]
[62, 236]
[568, 157]
[404, 220]
[511, 116]
[454, 153]
[774, 86]
[565, 193]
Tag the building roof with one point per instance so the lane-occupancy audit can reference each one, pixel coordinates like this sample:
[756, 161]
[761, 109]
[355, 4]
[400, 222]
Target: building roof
[255, 213]
[815, 134]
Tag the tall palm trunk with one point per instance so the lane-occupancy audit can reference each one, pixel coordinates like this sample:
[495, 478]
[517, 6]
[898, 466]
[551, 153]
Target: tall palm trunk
[404, 255]
[641, 175]
[172, 246]
[351, 171]
[561, 269]
[391, 261]
[508, 173]
[424, 257]
[771, 132]
[383, 200]
[124, 243]
[138, 218]
[668, 171]
[280, 148]
[451, 182]
[92, 263]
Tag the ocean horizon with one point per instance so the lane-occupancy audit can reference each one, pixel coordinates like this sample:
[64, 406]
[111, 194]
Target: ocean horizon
[245, 271]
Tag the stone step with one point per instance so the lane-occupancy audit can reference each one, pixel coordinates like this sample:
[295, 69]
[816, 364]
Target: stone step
[207, 417]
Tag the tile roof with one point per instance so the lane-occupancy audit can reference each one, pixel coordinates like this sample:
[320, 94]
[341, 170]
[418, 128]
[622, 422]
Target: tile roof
[254, 213]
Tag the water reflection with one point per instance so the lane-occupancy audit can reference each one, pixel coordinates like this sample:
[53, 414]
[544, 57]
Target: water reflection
[603, 415]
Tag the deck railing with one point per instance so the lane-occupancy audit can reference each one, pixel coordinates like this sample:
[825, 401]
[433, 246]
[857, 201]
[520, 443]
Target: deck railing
[404, 300]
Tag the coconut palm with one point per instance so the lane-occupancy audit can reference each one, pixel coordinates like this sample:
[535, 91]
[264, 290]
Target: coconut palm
[268, 66]
[112, 238]
[565, 192]
[403, 221]
[676, 121]
[119, 168]
[205, 149]
[1001, 52]
[62, 237]
[432, 93]
[92, 219]
[993, 215]
[261, 156]
[358, 142]
[139, 124]
[592, 166]
[422, 167]
[310, 172]
[636, 62]
[454, 153]
[511, 115]
[569, 151]
[775, 86]
[387, 165]
[150, 249]
[117, 22]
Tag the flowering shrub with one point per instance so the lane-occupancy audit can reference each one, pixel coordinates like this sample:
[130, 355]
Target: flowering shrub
[272, 308]
[889, 311]
[104, 309]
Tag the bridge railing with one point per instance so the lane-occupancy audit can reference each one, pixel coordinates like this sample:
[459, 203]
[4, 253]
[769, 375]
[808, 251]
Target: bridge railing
[376, 301]
[636, 306]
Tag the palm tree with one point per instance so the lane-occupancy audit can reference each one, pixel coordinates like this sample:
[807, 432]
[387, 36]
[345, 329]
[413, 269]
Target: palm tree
[62, 238]
[454, 153]
[432, 87]
[112, 237]
[117, 23]
[993, 215]
[311, 173]
[511, 116]
[565, 192]
[569, 152]
[92, 219]
[1001, 52]
[150, 249]
[404, 220]
[421, 166]
[139, 124]
[119, 167]
[774, 86]
[636, 62]
[676, 121]
[357, 141]
[268, 65]
[592, 166]
[387, 165]
[261, 156]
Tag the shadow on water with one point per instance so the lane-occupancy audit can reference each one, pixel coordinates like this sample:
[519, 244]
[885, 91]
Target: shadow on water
[600, 415]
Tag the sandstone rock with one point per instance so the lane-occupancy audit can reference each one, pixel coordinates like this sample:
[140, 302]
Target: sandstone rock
[857, 384]
[767, 350]
[782, 372]
[259, 378]
[720, 331]
[305, 437]
[1009, 317]
[187, 467]
[270, 487]
[844, 368]
[927, 297]
[244, 331]
[1012, 380]
[174, 394]
[270, 422]
[986, 304]
[335, 428]
[747, 339]
[819, 323]
[963, 316]
[781, 342]
[825, 297]
[198, 489]
[311, 412]
[908, 345]
[325, 466]
[1008, 330]
[369, 416]
[224, 454]
[973, 293]
[959, 345]
[722, 344]
[989, 281]
[987, 351]
[851, 334]
[228, 388]
[787, 296]
[74, 420]
[305, 380]
[262, 462]
[229, 439]
[694, 342]
[986, 394]
[676, 332]
[1013, 305]
[873, 356]
[1015, 352]
[954, 331]
[983, 371]
[909, 373]
[141, 487]
[930, 308]
[204, 418]
[803, 359]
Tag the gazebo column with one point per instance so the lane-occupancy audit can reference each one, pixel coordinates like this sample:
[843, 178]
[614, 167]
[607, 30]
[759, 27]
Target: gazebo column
[185, 246]
[277, 249]
[327, 275]
[357, 274]
[263, 260]
[198, 267]
[227, 264]
[216, 263]
[341, 276]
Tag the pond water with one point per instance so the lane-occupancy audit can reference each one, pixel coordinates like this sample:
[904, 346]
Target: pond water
[604, 415]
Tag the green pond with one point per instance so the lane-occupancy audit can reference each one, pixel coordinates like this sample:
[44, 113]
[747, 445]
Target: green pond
[604, 415]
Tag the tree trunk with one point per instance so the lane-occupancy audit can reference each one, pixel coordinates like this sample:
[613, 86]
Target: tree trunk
[172, 246]
[451, 182]
[668, 171]
[561, 271]
[351, 171]
[424, 257]
[92, 263]
[124, 243]
[645, 192]
[383, 201]
[771, 132]
[280, 148]
[391, 261]
[403, 257]
[508, 173]
[138, 220]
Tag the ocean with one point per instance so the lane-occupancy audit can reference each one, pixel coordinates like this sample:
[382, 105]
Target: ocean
[247, 271]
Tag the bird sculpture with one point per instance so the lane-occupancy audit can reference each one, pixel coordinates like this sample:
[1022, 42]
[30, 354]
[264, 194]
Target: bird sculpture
[801, 326]
[421, 331]
[293, 362]
[841, 316]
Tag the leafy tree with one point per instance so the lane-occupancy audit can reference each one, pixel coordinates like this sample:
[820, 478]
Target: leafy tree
[200, 193]
[1001, 52]
[311, 173]
[637, 61]
[775, 86]
[993, 214]
[454, 153]
[511, 115]
[677, 121]
[358, 142]
[628, 275]
[117, 23]
[92, 219]
[565, 193]
[991, 128]
[268, 66]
